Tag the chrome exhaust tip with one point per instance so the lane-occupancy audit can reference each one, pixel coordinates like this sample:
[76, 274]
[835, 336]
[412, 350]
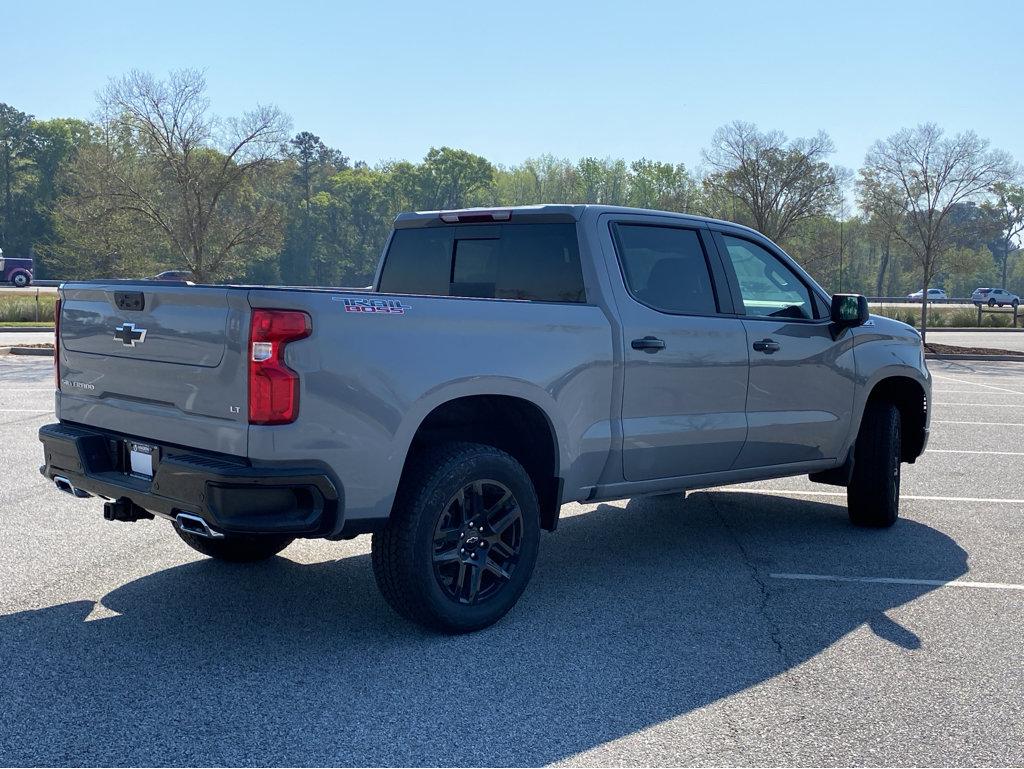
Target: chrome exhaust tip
[193, 524]
[67, 487]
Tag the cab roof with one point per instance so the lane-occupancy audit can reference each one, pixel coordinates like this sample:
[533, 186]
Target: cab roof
[549, 212]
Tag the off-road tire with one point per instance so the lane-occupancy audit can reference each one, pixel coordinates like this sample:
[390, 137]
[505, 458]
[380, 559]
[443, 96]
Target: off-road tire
[236, 548]
[403, 552]
[873, 496]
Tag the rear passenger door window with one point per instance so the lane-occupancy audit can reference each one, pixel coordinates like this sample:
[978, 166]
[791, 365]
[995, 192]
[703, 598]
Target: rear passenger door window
[768, 287]
[666, 268]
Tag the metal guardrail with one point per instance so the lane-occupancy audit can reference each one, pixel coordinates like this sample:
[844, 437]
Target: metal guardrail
[908, 300]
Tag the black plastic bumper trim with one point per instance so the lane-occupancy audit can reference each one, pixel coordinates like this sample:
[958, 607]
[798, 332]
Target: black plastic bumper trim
[231, 494]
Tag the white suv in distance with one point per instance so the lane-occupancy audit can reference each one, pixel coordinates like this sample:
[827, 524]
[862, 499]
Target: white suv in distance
[993, 297]
[934, 295]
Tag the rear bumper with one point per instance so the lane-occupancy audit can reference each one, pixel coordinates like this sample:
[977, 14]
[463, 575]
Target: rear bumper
[230, 494]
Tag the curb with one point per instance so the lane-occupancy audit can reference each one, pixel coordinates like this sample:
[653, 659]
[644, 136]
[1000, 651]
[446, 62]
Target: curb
[26, 329]
[951, 356]
[975, 329]
[40, 351]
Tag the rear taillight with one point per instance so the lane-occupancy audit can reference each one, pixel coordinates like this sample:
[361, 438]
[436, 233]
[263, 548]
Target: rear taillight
[273, 387]
[56, 344]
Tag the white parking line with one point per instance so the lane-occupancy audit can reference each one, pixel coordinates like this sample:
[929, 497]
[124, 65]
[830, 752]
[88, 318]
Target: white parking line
[975, 384]
[991, 424]
[902, 581]
[969, 451]
[987, 405]
[975, 393]
[802, 493]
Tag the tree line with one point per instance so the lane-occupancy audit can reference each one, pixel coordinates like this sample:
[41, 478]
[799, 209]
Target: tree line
[156, 181]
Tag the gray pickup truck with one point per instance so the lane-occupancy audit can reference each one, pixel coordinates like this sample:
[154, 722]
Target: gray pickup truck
[504, 363]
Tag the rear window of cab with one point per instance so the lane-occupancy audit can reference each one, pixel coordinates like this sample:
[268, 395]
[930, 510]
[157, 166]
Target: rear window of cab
[532, 261]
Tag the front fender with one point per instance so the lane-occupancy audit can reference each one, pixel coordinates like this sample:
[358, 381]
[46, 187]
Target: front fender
[884, 349]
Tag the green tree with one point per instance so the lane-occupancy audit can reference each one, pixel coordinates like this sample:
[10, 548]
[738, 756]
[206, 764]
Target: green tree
[1006, 209]
[662, 186]
[450, 178]
[17, 142]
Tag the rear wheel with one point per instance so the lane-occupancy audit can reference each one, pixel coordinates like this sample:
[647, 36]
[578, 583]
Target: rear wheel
[991, 302]
[462, 539]
[20, 280]
[236, 547]
[873, 496]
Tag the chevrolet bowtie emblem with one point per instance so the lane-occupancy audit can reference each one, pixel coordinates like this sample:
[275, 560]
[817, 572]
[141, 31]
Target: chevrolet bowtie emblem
[128, 335]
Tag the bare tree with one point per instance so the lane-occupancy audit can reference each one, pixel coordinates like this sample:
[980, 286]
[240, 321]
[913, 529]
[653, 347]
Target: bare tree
[776, 182]
[164, 160]
[913, 180]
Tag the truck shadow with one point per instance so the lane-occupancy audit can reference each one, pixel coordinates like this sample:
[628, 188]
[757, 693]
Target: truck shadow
[634, 616]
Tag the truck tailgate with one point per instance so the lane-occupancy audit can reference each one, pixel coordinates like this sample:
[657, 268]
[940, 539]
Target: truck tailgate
[164, 362]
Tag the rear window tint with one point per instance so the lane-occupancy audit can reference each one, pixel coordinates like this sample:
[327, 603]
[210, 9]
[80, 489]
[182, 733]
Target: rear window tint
[538, 262]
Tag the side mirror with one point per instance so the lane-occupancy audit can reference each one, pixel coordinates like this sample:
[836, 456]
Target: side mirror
[849, 309]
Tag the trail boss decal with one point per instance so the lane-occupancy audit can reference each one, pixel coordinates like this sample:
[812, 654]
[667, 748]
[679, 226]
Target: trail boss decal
[375, 306]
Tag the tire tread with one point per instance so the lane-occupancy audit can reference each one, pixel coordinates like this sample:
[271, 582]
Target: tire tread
[869, 498]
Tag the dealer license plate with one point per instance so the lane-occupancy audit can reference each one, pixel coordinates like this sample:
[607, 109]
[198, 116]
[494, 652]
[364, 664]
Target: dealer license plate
[141, 457]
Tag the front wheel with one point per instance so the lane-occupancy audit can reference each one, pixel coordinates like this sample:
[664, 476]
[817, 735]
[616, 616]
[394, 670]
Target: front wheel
[991, 302]
[21, 280]
[237, 548]
[873, 496]
[462, 539]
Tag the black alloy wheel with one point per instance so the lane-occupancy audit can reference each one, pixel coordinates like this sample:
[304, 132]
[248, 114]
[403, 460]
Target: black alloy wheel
[477, 541]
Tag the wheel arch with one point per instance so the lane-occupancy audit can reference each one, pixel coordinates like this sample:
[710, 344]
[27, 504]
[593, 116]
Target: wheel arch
[512, 423]
[911, 399]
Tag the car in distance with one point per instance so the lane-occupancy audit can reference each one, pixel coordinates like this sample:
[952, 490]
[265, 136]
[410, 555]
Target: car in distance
[505, 362]
[934, 295]
[16, 270]
[185, 275]
[994, 297]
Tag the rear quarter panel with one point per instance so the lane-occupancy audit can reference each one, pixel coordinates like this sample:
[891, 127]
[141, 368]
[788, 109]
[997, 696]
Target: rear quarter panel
[368, 380]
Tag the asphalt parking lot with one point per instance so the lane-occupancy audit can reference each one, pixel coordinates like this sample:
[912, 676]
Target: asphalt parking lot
[748, 625]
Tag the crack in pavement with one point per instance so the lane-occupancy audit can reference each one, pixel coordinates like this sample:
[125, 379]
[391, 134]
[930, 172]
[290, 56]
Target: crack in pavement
[764, 590]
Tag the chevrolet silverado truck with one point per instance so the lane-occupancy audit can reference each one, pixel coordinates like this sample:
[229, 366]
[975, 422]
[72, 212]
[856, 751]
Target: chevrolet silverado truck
[503, 363]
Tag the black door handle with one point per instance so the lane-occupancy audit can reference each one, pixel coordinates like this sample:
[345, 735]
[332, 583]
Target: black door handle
[767, 346]
[648, 344]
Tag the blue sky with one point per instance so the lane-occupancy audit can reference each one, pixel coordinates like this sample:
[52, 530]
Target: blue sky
[511, 80]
